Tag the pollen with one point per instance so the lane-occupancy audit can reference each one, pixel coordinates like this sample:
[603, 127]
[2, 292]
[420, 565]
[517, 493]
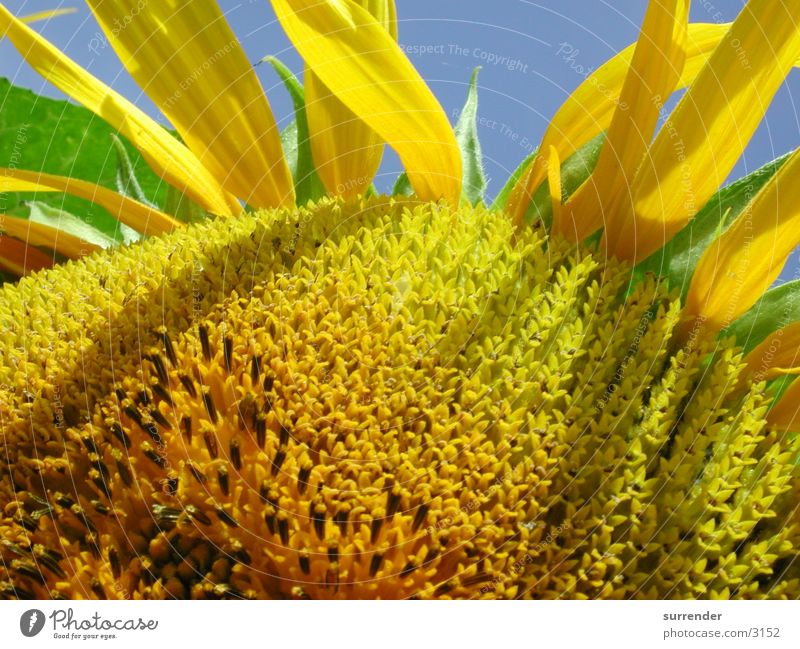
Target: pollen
[379, 399]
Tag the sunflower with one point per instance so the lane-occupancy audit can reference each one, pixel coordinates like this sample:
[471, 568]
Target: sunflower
[583, 390]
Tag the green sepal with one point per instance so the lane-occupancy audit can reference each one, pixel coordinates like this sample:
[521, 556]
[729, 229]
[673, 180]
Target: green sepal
[402, 186]
[502, 198]
[574, 171]
[40, 212]
[295, 139]
[677, 260]
[778, 307]
[473, 184]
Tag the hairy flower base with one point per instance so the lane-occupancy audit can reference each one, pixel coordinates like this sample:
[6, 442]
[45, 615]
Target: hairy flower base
[378, 400]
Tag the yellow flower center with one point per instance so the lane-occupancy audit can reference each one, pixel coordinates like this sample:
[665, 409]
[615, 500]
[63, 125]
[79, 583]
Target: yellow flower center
[386, 399]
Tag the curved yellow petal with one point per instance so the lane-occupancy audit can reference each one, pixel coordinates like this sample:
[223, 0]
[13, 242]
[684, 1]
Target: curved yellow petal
[18, 258]
[654, 72]
[38, 234]
[346, 152]
[358, 60]
[183, 54]
[554, 181]
[713, 122]
[168, 157]
[140, 217]
[588, 111]
[785, 414]
[44, 15]
[777, 355]
[742, 263]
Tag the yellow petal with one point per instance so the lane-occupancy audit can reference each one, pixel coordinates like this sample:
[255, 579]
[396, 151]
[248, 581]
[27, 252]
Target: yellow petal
[742, 263]
[777, 355]
[168, 157]
[44, 15]
[19, 258]
[38, 234]
[346, 152]
[358, 60]
[588, 111]
[554, 181]
[785, 414]
[712, 124]
[652, 76]
[183, 54]
[140, 217]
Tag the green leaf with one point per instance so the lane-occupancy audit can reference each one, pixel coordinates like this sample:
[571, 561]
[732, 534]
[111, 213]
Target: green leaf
[677, 260]
[295, 139]
[402, 186]
[502, 198]
[775, 309]
[58, 137]
[40, 212]
[466, 131]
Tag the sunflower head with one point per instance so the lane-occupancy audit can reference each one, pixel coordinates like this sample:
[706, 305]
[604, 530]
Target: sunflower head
[354, 396]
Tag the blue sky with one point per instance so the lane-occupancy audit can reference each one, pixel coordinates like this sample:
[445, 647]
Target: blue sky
[533, 54]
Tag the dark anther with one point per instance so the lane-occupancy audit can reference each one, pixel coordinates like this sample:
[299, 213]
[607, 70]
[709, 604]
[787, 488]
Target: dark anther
[208, 400]
[340, 518]
[161, 369]
[186, 427]
[227, 348]
[198, 475]
[333, 553]
[302, 479]
[203, 330]
[113, 560]
[226, 518]
[255, 370]
[88, 442]
[318, 515]
[162, 331]
[407, 569]
[222, 477]
[375, 529]
[375, 564]
[260, 421]
[419, 517]
[305, 564]
[124, 473]
[157, 459]
[198, 515]
[160, 419]
[269, 519]
[280, 456]
[133, 413]
[236, 456]
[268, 383]
[121, 435]
[211, 444]
[283, 530]
[392, 503]
[284, 435]
[163, 393]
[171, 485]
[188, 384]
